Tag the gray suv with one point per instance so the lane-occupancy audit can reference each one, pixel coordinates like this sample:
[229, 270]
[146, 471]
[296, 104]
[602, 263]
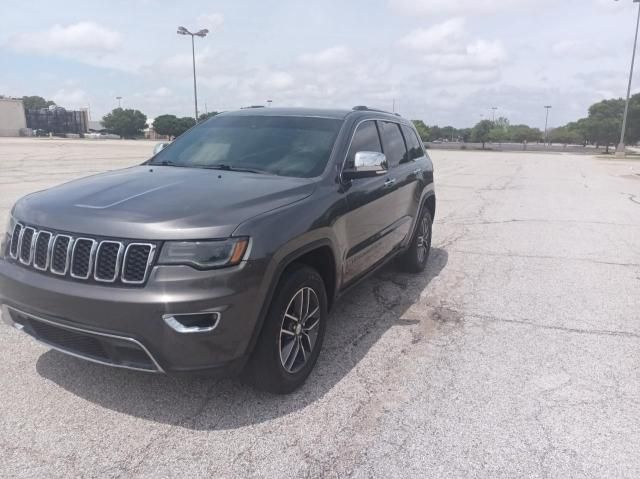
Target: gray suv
[227, 249]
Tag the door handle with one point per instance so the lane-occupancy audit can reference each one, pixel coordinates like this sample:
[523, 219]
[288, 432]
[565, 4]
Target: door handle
[389, 182]
[417, 171]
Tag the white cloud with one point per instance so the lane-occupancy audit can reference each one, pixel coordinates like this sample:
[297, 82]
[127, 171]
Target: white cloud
[455, 7]
[437, 37]
[70, 98]
[331, 57]
[162, 92]
[82, 37]
[581, 49]
[278, 80]
[210, 21]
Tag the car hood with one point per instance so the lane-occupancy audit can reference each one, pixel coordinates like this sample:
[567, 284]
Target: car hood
[160, 202]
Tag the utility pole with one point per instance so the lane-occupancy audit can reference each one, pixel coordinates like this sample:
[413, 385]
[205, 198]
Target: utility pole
[546, 123]
[493, 116]
[620, 151]
[202, 33]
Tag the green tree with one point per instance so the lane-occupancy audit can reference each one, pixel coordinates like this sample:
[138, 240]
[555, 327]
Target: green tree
[35, 102]
[206, 116]
[480, 132]
[183, 124]
[165, 125]
[565, 135]
[126, 123]
[422, 129]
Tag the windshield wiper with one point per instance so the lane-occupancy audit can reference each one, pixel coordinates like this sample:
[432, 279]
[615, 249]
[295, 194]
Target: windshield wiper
[168, 163]
[235, 168]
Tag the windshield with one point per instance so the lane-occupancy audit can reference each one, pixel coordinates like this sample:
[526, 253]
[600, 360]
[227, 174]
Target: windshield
[286, 146]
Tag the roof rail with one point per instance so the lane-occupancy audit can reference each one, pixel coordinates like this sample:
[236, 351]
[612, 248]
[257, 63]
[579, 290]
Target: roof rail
[366, 108]
[251, 106]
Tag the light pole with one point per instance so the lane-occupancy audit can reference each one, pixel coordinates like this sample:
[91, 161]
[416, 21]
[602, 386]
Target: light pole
[620, 149]
[546, 122]
[269, 103]
[118, 98]
[202, 33]
[493, 114]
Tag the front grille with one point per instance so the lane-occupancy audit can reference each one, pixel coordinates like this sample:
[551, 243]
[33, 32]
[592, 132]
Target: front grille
[26, 245]
[108, 261]
[137, 262]
[88, 259]
[41, 258]
[82, 258]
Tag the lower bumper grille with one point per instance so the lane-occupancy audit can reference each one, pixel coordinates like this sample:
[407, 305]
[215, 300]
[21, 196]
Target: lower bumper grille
[97, 347]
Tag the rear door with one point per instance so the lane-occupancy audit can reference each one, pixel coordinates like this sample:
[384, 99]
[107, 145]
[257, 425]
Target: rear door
[411, 169]
[372, 209]
[401, 173]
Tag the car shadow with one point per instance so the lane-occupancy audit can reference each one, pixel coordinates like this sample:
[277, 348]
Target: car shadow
[357, 322]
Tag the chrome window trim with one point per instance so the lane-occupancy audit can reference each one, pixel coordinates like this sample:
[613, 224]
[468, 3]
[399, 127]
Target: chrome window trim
[147, 267]
[118, 261]
[68, 255]
[355, 129]
[18, 241]
[92, 257]
[35, 246]
[89, 332]
[28, 262]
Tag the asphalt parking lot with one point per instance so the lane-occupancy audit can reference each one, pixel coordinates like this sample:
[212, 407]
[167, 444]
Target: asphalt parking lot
[517, 354]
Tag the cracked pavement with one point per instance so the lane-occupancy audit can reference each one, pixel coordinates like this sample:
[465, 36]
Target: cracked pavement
[517, 353]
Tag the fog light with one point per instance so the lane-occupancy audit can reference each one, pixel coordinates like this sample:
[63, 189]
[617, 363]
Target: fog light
[193, 323]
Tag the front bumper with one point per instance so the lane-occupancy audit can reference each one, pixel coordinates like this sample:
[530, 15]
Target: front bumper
[87, 314]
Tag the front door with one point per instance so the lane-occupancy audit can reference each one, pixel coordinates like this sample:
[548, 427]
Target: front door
[372, 209]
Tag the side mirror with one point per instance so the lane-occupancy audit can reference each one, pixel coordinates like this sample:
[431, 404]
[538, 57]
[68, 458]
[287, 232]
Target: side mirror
[159, 147]
[367, 164]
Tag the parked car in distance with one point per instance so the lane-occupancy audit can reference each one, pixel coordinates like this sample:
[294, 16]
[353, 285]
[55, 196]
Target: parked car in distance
[226, 250]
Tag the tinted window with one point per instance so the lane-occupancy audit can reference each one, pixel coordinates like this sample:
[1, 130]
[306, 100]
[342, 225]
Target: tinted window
[413, 144]
[393, 143]
[365, 139]
[286, 146]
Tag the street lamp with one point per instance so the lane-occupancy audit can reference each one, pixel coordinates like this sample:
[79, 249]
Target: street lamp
[202, 33]
[494, 108]
[620, 149]
[118, 98]
[546, 122]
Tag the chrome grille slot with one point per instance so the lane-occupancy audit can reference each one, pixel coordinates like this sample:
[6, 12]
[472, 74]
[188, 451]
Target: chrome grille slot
[82, 257]
[122, 262]
[61, 254]
[42, 252]
[26, 245]
[15, 241]
[137, 260]
[108, 257]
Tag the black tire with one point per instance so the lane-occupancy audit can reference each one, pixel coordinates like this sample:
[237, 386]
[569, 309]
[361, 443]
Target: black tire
[270, 367]
[414, 259]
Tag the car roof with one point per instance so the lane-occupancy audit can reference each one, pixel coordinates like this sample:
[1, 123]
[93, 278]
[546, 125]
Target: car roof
[338, 114]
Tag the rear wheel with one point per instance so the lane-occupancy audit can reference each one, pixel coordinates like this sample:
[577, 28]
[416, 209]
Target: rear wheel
[414, 260]
[293, 332]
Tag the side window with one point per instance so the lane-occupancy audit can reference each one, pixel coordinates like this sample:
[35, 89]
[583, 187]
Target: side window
[413, 144]
[365, 139]
[393, 143]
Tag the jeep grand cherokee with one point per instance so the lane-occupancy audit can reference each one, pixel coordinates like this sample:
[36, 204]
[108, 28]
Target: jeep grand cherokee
[225, 251]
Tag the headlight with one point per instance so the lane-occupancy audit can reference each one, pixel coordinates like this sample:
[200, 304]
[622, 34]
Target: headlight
[5, 235]
[204, 254]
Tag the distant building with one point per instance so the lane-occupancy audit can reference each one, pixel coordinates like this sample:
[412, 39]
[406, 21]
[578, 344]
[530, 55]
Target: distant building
[12, 117]
[57, 120]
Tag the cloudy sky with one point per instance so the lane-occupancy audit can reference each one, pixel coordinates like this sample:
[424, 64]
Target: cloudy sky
[443, 61]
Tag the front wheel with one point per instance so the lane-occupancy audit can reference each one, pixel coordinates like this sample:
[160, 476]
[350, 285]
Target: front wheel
[414, 260]
[291, 338]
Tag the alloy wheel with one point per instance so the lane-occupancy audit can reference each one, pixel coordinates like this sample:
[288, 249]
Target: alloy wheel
[299, 330]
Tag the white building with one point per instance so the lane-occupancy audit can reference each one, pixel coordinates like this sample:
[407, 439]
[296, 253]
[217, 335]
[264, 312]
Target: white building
[12, 118]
